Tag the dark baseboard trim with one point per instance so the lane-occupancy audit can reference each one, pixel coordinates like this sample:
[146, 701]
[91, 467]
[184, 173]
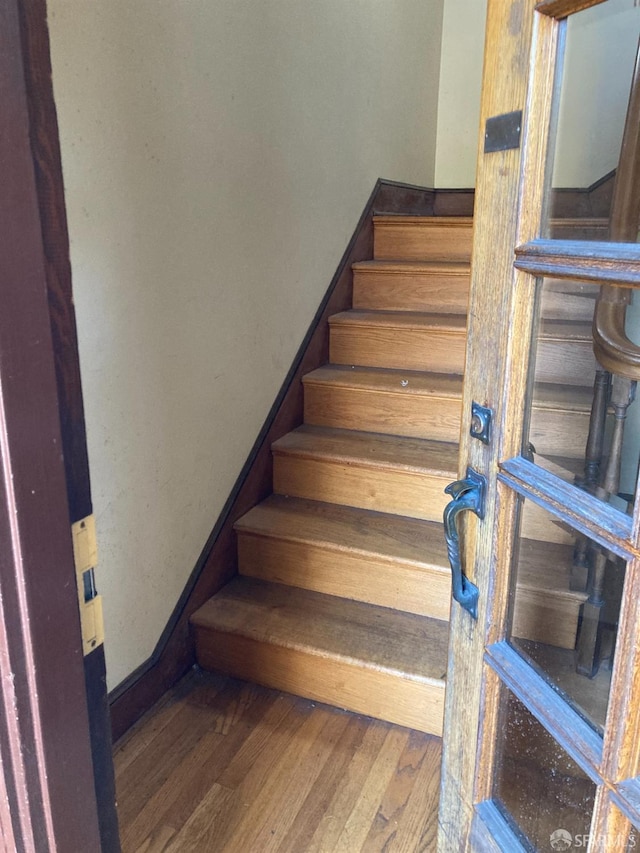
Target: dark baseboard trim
[174, 654]
[591, 202]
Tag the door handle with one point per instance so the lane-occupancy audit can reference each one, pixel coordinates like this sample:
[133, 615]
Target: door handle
[467, 494]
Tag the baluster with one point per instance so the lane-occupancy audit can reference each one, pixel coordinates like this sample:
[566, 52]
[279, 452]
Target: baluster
[595, 441]
[579, 577]
[622, 395]
[592, 461]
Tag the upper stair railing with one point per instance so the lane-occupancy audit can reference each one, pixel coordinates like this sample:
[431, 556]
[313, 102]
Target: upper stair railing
[613, 349]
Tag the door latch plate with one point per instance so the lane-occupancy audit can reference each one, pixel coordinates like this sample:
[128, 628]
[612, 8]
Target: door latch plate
[481, 420]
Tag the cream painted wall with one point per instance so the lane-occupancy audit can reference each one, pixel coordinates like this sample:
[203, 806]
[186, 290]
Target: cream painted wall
[601, 46]
[461, 58]
[217, 155]
[600, 55]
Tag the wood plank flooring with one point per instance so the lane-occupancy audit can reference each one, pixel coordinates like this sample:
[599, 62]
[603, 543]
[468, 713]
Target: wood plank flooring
[222, 765]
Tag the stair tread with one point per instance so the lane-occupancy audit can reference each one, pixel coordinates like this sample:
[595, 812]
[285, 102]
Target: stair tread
[345, 528]
[369, 636]
[353, 447]
[570, 398]
[400, 320]
[546, 567]
[566, 330]
[446, 267]
[385, 379]
[449, 385]
[402, 219]
[543, 566]
[557, 330]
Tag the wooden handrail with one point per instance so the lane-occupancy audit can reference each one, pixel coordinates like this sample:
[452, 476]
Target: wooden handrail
[615, 351]
[619, 356]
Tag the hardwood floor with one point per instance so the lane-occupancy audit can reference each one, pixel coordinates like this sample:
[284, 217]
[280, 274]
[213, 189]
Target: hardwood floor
[222, 765]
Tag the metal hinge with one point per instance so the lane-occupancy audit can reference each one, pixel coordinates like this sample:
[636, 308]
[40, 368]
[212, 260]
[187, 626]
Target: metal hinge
[85, 554]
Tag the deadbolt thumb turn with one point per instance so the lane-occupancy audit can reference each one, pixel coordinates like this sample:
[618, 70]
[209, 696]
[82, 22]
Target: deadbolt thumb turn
[467, 494]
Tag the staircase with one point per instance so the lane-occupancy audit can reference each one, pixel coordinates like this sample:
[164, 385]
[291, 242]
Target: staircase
[343, 591]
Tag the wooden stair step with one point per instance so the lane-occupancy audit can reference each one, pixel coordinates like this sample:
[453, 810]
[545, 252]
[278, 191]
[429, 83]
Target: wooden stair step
[579, 228]
[568, 300]
[406, 340]
[415, 340]
[439, 286]
[381, 559]
[546, 609]
[560, 419]
[565, 353]
[427, 405]
[371, 660]
[422, 238]
[409, 403]
[395, 562]
[398, 475]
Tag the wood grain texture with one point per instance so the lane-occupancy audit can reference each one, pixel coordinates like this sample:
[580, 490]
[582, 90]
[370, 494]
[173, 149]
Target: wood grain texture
[395, 286]
[428, 405]
[383, 473]
[396, 562]
[381, 559]
[399, 340]
[600, 262]
[279, 773]
[409, 403]
[562, 8]
[422, 239]
[44, 724]
[346, 653]
[471, 700]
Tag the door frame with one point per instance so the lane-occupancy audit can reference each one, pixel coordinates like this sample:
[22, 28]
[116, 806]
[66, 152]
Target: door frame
[522, 42]
[53, 705]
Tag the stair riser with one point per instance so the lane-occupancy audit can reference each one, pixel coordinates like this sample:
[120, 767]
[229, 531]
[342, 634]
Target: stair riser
[422, 242]
[437, 418]
[374, 411]
[564, 300]
[565, 362]
[557, 361]
[385, 696]
[401, 349]
[442, 294]
[366, 577]
[361, 576]
[559, 433]
[544, 619]
[539, 524]
[408, 493]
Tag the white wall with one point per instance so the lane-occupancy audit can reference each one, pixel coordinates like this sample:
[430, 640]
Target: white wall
[217, 155]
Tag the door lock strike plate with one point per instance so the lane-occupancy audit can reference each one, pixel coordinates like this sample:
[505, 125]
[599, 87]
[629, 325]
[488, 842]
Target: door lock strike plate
[85, 553]
[481, 419]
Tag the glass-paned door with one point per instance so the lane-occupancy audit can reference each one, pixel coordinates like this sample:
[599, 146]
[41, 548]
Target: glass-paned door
[542, 721]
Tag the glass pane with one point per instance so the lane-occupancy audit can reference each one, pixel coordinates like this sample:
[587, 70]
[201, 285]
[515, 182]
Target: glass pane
[537, 785]
[594, 93]
[566, 603]
[584, 422]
